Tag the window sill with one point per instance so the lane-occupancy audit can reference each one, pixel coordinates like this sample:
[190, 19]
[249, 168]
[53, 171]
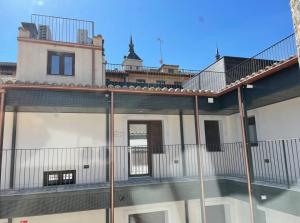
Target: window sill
[60, 75]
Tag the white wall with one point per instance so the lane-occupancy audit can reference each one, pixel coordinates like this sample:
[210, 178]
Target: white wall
[175, 212]
[94, 216]
[6, 155]
[274, 216]
[32, 64]
[211, 78]
[55, 141]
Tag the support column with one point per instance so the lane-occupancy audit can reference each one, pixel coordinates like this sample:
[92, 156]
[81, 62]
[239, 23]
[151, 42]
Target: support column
[295, 7]
[2, 115]
[112, 159]
[13, 150]
[182, 142]
[186, 210]
[200, 161]
[107, 151]
[247, 149]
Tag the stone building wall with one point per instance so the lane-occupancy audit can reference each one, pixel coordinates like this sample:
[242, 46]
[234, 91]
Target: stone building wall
[295, 6]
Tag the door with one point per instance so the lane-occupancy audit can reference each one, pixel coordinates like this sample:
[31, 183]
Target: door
[144, 139]
[212, 135]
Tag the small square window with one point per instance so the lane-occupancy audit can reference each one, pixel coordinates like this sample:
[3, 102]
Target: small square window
[59, 177]
[140, 81]
[160, 82]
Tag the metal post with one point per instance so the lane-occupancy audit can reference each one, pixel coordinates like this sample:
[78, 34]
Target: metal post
[112, 158]
[286, 165]
[13, 150]
[199, 159]
[247, 151]
[2, 115]
[107, 153]
[182, 142]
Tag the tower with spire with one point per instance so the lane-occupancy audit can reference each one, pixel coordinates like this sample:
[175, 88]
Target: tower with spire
[218, 56]
[132, 61]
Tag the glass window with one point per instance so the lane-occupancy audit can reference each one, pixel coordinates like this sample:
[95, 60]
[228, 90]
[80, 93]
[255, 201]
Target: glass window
[59, 177]
[171, 71]
[140, 81]
[61, 63]
[68, 65]
[55, 64]
[160, 82]
[252, 131]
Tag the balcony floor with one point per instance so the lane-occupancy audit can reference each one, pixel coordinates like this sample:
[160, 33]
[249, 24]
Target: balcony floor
[134, 181]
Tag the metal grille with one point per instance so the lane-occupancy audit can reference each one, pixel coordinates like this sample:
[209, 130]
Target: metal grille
[63, 29]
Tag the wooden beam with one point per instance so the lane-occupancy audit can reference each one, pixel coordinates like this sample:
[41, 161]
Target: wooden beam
[200, 161]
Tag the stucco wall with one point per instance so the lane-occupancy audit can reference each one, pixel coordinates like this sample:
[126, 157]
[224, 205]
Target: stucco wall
[276, 121]
[70, 141]
[32, 64]
[94, 216]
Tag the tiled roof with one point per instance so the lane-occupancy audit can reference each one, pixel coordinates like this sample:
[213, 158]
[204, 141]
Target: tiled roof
[13, 83]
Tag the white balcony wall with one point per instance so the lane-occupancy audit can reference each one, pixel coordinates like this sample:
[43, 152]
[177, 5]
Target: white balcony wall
[273, 122]
[53, 142]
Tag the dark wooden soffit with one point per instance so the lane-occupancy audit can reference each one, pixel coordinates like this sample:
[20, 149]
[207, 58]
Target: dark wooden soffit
[164, 91]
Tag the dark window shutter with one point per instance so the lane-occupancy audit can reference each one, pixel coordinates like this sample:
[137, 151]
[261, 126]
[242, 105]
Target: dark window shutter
[155, 137]
[212, 135]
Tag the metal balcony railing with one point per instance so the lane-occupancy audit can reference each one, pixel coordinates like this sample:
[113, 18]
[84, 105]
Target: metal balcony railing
[277, 52]
[158, 70]
[210, 80]
[61, 29]
[125, 75]
[274, 162]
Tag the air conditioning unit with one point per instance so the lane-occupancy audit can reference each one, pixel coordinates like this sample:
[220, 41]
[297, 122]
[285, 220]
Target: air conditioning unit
[44, 32]
[82, 36]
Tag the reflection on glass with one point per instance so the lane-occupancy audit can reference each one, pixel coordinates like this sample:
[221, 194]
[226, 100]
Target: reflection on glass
[68, 65]
[54, 64]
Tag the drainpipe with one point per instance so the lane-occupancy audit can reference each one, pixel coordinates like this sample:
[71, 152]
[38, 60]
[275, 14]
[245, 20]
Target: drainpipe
[200, 161]
[13, 150]
[2, 115]
[247, 149]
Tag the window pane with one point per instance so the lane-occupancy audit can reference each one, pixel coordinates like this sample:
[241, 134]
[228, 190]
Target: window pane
[54, 64]
[68, 65]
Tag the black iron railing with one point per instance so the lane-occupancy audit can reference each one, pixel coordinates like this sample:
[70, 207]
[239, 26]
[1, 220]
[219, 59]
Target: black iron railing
[158, 70]
[126, 75]
[62, 29]
[211, 80]
[277, 52]
[273, 162]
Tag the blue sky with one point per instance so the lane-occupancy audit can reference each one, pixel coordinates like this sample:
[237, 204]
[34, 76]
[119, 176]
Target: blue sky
[190, 29]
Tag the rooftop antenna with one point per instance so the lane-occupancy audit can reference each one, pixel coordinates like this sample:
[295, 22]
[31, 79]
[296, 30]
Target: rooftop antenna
[161, 61]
